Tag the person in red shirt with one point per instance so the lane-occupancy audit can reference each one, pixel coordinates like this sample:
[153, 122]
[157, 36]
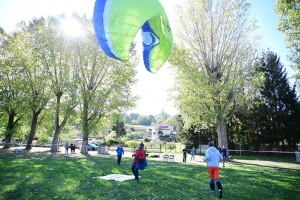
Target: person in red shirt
[138, 156]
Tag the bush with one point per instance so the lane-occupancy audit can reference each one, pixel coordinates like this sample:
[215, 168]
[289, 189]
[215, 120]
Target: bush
[147, 140]
[123, 140]
[131, 143]
[112, 141]
[44, 139]
[103, 143]
[170, 145]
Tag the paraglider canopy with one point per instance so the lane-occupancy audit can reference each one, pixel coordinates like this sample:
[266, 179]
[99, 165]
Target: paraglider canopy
[116, 23]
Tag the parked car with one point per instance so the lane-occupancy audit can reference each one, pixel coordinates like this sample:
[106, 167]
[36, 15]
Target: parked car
[92, 147]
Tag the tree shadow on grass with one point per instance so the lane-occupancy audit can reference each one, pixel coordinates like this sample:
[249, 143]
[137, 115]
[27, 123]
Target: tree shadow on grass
[262, 165]
[58, 176]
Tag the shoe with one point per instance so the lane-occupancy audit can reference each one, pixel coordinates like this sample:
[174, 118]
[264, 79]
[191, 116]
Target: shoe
[220, 194]
[213, 192]
[136, 179]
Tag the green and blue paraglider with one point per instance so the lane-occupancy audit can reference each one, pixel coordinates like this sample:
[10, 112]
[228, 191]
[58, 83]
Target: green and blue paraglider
[116, 23]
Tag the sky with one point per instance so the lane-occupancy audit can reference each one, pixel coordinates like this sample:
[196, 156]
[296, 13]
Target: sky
[151, 88]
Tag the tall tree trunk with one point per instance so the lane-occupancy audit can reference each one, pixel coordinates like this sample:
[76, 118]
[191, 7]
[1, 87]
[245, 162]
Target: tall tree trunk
[222, 134]
[85, 127]
[34, 120]
[84, 145]
[9, 130]
[7, 143]
[58, 127]
[54, 145]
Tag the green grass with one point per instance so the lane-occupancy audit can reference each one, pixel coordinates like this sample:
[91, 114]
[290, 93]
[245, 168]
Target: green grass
[288, 158]
[56, 176]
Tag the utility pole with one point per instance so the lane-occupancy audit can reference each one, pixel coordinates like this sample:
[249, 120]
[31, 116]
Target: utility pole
[199, 144]
[241, 149]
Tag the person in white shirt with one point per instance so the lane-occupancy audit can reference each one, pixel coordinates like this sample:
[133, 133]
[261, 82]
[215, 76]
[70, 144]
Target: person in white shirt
[213, 158]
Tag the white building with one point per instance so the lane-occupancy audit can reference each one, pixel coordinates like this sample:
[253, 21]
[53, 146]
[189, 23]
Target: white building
[166, 131]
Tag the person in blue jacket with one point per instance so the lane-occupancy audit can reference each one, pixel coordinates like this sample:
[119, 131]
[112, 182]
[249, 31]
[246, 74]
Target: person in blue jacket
[120, 152]
[224, 152]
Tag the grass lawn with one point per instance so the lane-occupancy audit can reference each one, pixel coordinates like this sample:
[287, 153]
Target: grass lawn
[58, 176]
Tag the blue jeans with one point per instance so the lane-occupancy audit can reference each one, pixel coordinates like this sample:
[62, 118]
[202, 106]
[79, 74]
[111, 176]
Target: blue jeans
[193, 157]
[135, 171]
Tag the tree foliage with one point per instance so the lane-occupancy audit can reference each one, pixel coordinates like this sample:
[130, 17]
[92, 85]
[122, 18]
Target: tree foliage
[53, 53]
[42, 68]
[36, 78]
[279, 108]
[289, 24]
[272, 120]
[213, 61]
[104, 83]
[119, 128]
[12, 83]
[131, 143]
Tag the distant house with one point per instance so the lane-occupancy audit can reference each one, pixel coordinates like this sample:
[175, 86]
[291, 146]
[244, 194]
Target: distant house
[79, 138]
[165, 129]
[140, 129]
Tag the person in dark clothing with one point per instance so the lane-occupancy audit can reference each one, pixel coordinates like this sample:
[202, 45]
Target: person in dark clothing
[220, 150]
[71, 147]
[120, 152]
[224, 152]
[184, 155]
[74, 147]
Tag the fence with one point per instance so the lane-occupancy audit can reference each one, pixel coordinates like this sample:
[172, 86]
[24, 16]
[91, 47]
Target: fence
[161, 148]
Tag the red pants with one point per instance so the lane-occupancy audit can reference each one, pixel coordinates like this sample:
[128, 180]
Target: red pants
[214, 172]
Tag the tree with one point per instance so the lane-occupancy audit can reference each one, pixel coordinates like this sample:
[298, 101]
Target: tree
[127, 119]
[192, 136]
[280, 106]
[144, 120]
[162, 116]
[12, 83]
[212, 61]
[55, 52]
[134, 116]
[289, 25]
[43, 139]
[119, 128]
[36, 79]
[111, 138]
[104, 83]
[171, 121]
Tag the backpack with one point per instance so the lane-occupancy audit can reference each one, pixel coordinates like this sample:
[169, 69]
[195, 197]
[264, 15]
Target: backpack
[142, 163]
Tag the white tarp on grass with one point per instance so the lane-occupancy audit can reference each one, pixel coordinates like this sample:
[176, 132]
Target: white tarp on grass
[117, 177]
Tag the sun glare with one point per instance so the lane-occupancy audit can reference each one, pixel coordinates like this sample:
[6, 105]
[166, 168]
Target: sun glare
[72, 27]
